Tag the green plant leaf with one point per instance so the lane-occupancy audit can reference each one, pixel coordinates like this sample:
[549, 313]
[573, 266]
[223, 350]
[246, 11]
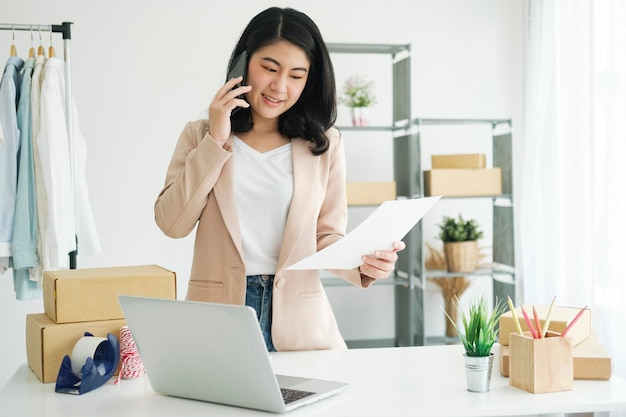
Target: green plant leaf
[479, 327]
[459, 230]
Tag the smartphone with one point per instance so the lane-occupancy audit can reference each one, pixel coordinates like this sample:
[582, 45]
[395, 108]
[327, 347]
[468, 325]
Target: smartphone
[239, 69]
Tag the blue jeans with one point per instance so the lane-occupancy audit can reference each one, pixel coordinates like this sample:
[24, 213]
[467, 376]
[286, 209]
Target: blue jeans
[259, 297]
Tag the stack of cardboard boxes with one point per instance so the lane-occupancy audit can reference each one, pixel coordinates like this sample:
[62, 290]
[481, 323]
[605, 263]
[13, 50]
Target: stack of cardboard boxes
[591, 360]
[85, 300]
[461, 175]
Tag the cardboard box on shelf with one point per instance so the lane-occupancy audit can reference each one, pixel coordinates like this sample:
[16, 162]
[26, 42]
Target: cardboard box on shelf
[370, 193]
[463, 182]
[466, 160]
[561, 317]
[77, 295]
[591, 360]
[48, 342]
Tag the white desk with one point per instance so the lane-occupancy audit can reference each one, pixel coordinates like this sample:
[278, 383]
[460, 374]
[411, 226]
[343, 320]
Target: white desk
[426, 381]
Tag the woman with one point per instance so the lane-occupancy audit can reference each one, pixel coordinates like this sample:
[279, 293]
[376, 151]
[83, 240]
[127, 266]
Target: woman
[264, 180]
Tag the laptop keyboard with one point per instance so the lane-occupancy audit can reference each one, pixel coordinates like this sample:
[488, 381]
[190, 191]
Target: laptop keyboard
[291, 395]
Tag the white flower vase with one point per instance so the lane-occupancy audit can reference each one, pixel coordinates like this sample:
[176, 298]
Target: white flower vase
[360, 116]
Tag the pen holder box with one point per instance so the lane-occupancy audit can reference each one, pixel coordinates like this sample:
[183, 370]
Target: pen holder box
[541, 365]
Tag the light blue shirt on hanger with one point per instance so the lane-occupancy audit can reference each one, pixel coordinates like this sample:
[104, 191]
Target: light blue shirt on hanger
[9, 97]
[24, 244]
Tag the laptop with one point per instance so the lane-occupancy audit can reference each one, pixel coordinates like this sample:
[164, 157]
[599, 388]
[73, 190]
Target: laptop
[214, 352]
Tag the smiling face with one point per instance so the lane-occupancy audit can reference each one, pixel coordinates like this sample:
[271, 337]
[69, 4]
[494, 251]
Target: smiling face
[278, 74]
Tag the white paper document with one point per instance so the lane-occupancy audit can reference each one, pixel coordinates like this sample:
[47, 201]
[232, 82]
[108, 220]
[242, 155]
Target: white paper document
[389, 223]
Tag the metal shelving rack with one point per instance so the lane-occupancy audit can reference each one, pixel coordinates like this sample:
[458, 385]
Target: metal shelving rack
[410, 276]
[502, 270]
[405, 154]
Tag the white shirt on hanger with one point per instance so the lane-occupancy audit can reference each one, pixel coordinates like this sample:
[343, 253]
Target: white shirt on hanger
[40, 189]
[69, 215]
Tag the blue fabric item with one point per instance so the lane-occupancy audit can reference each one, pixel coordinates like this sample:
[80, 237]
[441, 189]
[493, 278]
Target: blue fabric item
[259, 297]
[9, 97]
[24, 244]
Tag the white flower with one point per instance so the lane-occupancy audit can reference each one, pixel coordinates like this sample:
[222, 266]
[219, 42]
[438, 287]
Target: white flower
[358, 92]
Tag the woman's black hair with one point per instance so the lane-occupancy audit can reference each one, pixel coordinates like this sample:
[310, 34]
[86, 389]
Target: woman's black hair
[316, 109]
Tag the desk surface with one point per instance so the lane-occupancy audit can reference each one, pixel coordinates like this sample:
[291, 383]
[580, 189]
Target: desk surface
[410, 381]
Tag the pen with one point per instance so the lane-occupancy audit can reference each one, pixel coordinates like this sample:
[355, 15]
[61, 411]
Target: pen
[537, 325]
[569, 326]
[529, 323]
[517, 325]
[546, 324]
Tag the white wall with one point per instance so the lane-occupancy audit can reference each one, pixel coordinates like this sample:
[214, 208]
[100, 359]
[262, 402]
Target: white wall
[141, 69]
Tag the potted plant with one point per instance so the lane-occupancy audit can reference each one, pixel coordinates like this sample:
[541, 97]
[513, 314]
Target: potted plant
[460, 243]
[479, 333]
[358, 94]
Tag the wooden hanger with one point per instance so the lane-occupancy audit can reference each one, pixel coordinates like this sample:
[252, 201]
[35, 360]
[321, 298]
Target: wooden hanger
[31, 51]
[13, 48]
[41, 50]
[51, 48]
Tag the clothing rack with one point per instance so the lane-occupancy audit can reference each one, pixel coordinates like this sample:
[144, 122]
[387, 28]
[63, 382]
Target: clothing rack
[65, 29]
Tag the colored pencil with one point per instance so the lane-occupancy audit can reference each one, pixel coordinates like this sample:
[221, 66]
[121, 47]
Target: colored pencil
[529, 323]
[514, 314]
[546, 324]
[537, 325]
[569, 326]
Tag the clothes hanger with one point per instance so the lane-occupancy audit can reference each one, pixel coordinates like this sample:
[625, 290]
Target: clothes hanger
[51, 48]
[31, 51]
[41, 50]
[13, 48]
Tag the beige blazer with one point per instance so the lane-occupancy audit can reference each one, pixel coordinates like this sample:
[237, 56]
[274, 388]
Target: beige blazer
[199, 191]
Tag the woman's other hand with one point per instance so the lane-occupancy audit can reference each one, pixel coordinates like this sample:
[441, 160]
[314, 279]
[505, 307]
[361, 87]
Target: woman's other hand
[381, 263]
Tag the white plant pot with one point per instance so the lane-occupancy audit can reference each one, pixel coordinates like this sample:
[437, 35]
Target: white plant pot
[360, 116]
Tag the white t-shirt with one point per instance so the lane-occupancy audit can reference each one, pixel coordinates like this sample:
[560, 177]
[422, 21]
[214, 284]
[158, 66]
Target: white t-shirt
[263, 184]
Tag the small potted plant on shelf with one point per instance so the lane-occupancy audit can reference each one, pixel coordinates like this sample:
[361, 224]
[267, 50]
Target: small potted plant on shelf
[479, 333]
[358, 94]
[460, 243]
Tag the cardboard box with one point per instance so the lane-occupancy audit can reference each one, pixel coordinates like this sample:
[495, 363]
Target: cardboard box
[541, 365]
[456, 161]
[463, 182]
[591, 360]
[370, 193]
[76, 295]
[561, 317]
[48, 342]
